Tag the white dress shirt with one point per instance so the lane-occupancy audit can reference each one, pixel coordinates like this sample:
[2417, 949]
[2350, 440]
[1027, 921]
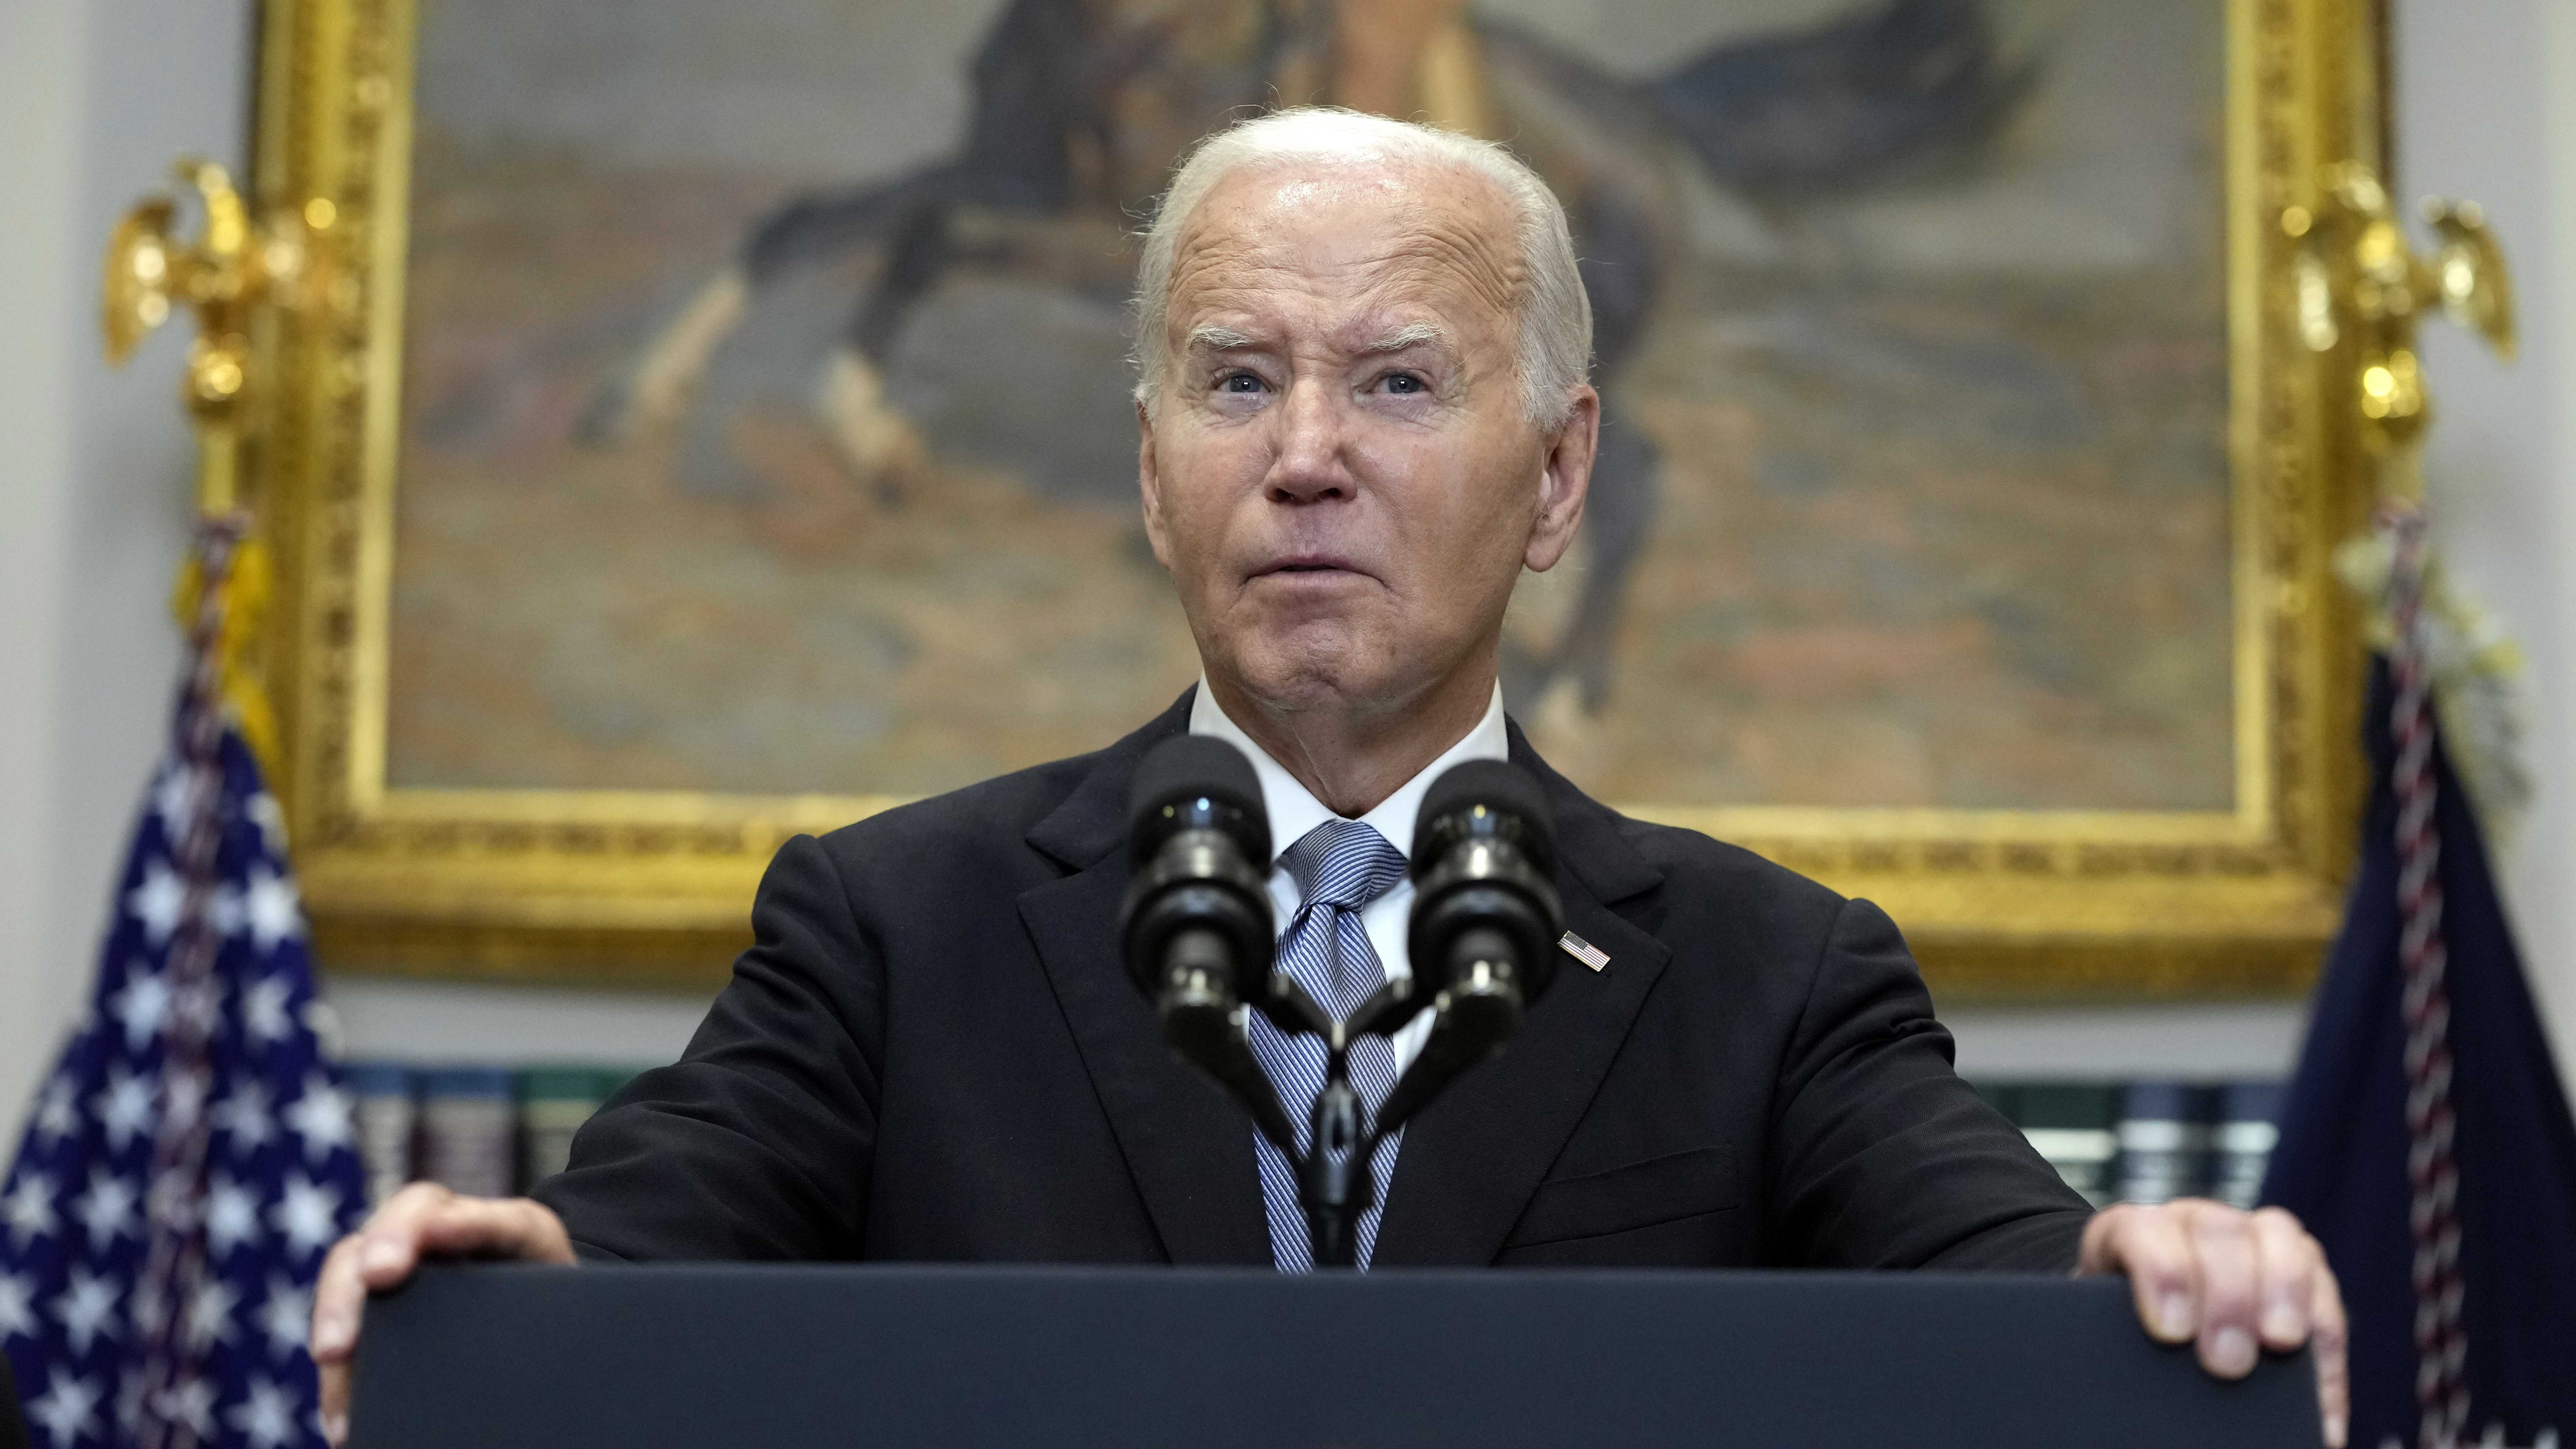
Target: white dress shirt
[1294, 811]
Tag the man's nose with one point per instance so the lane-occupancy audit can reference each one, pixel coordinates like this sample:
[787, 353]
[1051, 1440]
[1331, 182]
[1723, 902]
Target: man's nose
[1311, 465]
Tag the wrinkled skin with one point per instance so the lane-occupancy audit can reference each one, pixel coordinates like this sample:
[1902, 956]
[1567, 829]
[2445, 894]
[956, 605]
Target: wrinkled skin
[1340, 472]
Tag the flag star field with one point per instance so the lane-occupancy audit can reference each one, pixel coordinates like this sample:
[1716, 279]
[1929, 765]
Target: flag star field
[102, 1358]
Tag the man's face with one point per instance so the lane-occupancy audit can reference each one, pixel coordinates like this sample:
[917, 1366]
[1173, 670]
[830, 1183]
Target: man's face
[1340, 474]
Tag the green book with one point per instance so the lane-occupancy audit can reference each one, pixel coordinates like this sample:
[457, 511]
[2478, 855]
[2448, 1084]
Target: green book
[2075, 1125]
[553, 1103]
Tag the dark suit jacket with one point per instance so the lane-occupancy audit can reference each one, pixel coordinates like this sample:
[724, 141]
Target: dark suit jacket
[13, 1429]
[932, 1052]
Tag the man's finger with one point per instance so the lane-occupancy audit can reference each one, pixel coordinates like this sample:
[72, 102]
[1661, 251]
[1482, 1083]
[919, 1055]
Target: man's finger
[338, 1297]
[338, 1294]
[2327, 1342]
[383, 1248]
[477, 1227]
[335, 1403]
[2231, 1280]
[2290, 1263]
[2149, 1246]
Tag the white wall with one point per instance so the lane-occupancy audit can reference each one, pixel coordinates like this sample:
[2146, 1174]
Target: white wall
[40, 107]
[2486, 96]
[155, 81]
[2197, 1040]
[95, 471]
[97, 95]
[460, 1022]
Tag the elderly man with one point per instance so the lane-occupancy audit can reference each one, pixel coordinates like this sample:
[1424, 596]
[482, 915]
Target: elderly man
[1361, 394]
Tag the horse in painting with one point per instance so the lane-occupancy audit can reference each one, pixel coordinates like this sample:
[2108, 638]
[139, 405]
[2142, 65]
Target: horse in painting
[1081, 108]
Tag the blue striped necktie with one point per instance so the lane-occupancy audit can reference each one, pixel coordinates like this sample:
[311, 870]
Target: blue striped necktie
[1340, 866]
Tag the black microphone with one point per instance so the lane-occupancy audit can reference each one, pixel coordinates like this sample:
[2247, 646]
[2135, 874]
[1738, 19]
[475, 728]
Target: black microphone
[1484, 930]
[1196, 923]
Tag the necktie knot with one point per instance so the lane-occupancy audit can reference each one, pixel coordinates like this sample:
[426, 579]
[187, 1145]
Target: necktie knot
[1343, 863]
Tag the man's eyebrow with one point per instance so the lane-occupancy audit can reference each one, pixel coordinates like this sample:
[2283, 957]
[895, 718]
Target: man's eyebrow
[1217, 339]
[1413, 335]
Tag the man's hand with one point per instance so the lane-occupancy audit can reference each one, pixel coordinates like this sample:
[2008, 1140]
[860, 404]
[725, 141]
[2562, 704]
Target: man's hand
[423, 1220]
[2232, 1280]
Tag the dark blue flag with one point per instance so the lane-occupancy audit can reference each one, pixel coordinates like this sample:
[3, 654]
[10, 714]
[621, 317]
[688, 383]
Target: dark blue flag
[2342, 1161]
[191, 1156]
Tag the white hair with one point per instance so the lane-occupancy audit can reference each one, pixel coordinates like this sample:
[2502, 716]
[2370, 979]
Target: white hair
[1553, 350]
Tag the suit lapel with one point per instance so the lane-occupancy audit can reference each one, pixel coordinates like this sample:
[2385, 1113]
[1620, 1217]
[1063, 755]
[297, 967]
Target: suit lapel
[1471, 1160]
[1187, 1145]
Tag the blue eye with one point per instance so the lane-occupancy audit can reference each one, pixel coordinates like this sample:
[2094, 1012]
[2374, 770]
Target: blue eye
[1403, 382]
[1240, 382]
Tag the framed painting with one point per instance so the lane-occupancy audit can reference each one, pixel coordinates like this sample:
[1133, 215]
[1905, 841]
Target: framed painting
[717, 428]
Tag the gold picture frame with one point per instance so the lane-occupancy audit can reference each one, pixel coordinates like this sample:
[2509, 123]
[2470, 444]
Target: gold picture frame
[638, 887]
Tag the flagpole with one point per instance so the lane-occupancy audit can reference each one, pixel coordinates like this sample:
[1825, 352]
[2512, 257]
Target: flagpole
[218, 469]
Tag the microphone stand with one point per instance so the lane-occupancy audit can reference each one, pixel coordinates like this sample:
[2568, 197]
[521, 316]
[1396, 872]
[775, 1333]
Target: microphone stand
[1333, 1181]
[1472, 1019]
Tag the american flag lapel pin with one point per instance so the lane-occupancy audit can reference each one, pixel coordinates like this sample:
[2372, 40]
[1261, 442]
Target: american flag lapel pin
[1583, 951]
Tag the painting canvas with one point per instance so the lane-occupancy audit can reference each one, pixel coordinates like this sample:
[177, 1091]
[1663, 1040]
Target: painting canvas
[766, 421]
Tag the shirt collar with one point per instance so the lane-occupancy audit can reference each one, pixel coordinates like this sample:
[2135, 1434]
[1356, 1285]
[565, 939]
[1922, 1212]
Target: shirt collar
[1293, 808]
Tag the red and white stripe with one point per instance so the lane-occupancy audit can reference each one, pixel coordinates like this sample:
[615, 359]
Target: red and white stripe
[2441, 1347]
[172, 1408]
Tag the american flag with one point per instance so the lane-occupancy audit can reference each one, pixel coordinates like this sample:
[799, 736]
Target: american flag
[191, 1156]
[2426, 1139]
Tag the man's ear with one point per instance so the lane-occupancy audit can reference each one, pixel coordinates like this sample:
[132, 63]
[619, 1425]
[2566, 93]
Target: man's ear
[1149, 483]
[1564, 480]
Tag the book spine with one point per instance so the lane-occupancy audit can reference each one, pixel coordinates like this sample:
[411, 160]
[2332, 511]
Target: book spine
[2164, 1136]
[467, 1130]
[2242, 1152]
[553, 1103]
[2070, 1124]
[386, 1116]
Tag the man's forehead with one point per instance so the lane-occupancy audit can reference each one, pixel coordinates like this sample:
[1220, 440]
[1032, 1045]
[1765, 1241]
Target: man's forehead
[1410, 237]
[1382, 330]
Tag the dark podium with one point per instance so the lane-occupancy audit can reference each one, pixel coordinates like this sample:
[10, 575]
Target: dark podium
[894, 1357]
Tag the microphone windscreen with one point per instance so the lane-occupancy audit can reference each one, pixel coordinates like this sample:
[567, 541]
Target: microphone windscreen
[1502, 788]
[1195, 767]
